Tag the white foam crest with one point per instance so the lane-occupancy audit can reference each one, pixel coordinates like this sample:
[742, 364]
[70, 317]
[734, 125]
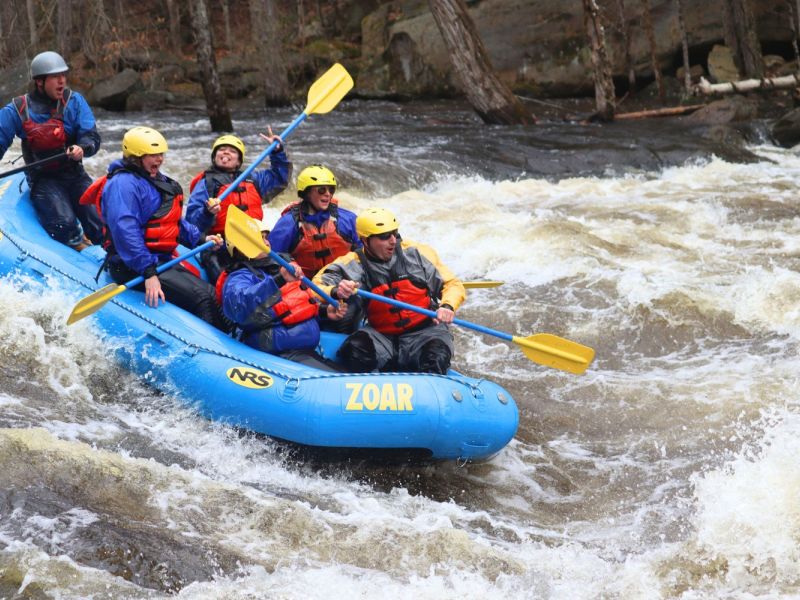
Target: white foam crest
[33, 329]
[747, 512]
[767, 300]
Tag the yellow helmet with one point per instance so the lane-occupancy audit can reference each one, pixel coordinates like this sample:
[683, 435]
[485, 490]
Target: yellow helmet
[315, 175]
[143, 140]
[228, 140]
[375, 221]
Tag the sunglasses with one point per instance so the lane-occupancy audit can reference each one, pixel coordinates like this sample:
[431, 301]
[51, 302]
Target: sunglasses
[386, 236]
[321, 189]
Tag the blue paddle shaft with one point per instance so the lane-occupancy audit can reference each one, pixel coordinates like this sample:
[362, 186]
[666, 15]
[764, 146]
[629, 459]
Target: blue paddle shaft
[431, 314]
[284, 134]
[276, 257]
[169, 264]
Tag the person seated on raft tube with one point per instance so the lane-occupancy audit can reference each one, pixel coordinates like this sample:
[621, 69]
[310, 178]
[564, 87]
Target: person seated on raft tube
[273, 310]
[395, 339]
[206, 212]
[141, 209]
[50, 120]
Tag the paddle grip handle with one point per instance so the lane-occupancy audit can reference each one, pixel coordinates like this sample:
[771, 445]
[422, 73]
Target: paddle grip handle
[277, 258]
[244, 174]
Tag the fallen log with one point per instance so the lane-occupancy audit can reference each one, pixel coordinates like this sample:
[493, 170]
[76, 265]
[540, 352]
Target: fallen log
[659, 112]
[746, 85]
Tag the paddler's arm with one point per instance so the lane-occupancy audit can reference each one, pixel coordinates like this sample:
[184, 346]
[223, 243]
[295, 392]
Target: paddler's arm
[453, 291]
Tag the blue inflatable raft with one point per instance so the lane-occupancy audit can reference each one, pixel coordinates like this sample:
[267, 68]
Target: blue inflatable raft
[375, 414]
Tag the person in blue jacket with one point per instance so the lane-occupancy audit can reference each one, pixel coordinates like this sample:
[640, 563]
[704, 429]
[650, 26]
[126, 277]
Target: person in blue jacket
[208, 214]
[315, 231]
[52, 120]
[141, 208]
[272, 309]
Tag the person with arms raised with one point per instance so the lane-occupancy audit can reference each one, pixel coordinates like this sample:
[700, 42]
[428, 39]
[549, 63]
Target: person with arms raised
[57, 130]
[394, 339]
[208, 214]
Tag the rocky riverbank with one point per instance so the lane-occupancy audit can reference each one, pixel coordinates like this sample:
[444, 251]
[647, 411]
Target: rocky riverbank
[394, 51]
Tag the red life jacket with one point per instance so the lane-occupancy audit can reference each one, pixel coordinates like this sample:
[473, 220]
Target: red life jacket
[246, 196]
[295, 305]
[162, 230]
[393, 320]
[42, 139]
[314, 247]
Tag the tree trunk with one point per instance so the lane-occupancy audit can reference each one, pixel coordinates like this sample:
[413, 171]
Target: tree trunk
[647, 18]
[226, 21]
[603, 83]
[256, 21]
[32, 29]
[276, 76]
[64, 27]
[687, 76]
[174, 14]
[793, 17]
[301, 23]
[491, 98]
[216, 103]
[741, 37]
[625, 30]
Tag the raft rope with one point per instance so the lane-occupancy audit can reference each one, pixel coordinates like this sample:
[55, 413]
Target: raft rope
[291, 382]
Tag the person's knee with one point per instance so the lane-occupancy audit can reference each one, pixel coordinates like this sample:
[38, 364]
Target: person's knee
[358, 353]
[434, 357]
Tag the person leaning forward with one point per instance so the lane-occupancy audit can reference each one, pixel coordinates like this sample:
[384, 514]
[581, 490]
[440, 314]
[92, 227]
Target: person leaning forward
[206, 212]
[273, 310]
[53, 120]
[394, 338]
[141, 208]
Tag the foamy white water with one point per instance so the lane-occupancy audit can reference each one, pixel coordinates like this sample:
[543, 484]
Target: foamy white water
[669, 470]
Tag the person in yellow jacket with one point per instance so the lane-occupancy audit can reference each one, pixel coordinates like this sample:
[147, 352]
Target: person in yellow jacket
[394, 339]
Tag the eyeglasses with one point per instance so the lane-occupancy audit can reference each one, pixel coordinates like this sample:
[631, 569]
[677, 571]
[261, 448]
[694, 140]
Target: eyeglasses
[322, 189]
[386, 236]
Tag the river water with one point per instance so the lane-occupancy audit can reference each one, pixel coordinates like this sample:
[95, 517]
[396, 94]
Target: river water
[669, 470]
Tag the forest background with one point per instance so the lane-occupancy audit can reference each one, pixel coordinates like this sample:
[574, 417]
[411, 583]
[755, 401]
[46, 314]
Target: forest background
[202, 54]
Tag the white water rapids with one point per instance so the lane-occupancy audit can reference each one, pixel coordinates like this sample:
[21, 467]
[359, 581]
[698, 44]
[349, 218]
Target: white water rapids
[669, 470]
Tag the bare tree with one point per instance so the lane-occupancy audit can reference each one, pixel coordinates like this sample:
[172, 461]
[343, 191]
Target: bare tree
[226, 22]
[647, 17]
[97, 30]
[793, 14]
[625, 30]
[301, 22]
[491, 98]
[603, 83]
[216, 103]
[741, 37]
[174, 14]
[64, 28]
[276, 76]
[30, 7]
[687, 75]
[256, 20]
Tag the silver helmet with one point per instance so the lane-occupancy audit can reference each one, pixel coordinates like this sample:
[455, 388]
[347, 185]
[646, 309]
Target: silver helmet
[47, 63]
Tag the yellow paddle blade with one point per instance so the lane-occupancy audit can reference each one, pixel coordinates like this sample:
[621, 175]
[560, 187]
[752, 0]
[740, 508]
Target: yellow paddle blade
[553, 351]
[326, 92]
[482, 284]
[243, 233]
[94, 302]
